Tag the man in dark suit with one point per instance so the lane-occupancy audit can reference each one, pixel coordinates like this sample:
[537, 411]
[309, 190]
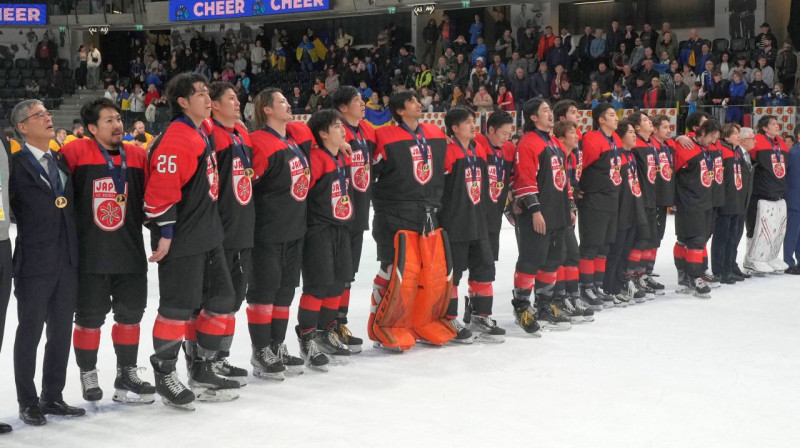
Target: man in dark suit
[5, 257]
[45, 263]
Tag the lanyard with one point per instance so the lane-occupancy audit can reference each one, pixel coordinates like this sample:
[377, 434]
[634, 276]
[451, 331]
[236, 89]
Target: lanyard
[499, 161]
[632, 165]
[119, 178]
[185, 120]
[471, 161]
[238, 146]
[665, 148]
[359, 137]
[423, 146]
[776, 149]
[291, 144]
[613, 145]
[341, 172]
[652, 147]
[42, 172]
[707, 156]
[555, 149]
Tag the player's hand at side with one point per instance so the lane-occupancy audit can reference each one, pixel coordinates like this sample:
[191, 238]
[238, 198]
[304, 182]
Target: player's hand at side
[573, 218]
[538, 223]
[161, 251]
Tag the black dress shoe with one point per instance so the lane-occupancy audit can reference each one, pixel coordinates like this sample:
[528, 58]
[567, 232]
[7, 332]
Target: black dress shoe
[794, 270]
[32, 415]
[739, 272]
[4, 428]
[60, 408]
[728, 279]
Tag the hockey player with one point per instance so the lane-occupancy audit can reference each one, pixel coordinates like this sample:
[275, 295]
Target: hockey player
[181, 200]
[463, 216]
[766, 214]
[361, 137]
[327, 260]
[235, 165]
[665, 188]
[727, 231]
[620, 270]
[408, 165]
[694, 177]
[541, 189]
[109, 179]
[600, 181]
[280, 160]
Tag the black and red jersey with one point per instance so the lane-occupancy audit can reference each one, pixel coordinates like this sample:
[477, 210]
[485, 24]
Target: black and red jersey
[182, 190]
[648, 162]
[283, 171]
[575, 165]
[409, 170]
[236, 209]
[463, 213]
[601, 174]
[499, 165]
[737, 180]
[109, 206]
[631, 211]
[540, 169]
[694, 178]
[718, 188]
[329, 201]
[362, 142]
[665, 186]
[769, 175]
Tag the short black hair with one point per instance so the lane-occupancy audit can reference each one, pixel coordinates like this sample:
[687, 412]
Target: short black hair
[598, 112]
[90, 112]
[397, 102]
[321, 121]
[343, 95]
[636, 118]
[531, 107]
[141, 138]
[218, 88]
[562, 107]
[182, 86]
[622, 127]
[763, 122]
[710, 126]
[694, 119]
[499, 119]
[561, 128]
[455, 117]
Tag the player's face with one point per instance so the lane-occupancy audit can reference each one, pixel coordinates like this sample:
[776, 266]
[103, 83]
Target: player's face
[109, 129]
[199, 103]
[500, 136]
[413, 109]
[572, 115]
[663, 131]
[708, 139]
[228, 106]
[570, 140]
[734, 139]
[281, 109]
[773, 128]
[629, 138]
[466, 129]
[336, 134]
[645, 126]
[355, 108]
[610, 119]
[544, 118]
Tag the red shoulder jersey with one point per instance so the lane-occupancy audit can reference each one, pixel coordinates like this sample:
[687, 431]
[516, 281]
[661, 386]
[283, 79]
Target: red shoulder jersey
[769, 175]
[328, 202]
[235, 158]
[499, 166]
[463, 214]
[601, 173]
[540, 168]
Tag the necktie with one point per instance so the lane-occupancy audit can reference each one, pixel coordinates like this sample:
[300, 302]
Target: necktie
[53, 175]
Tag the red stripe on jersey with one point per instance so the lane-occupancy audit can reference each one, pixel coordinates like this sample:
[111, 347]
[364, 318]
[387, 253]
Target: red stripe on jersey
[230, 328]
[211, 323]
[679, 251]
[387, 135]
[259, 314]
[595, 144]
[190, 333]
[86, 338]
[125, 334]
[86, 152]
[560, 274]
[635, 256]
[168, 329]
[483, 289]
[281, 312]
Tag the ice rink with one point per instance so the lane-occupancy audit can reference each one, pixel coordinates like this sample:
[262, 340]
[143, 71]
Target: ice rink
[674, 372]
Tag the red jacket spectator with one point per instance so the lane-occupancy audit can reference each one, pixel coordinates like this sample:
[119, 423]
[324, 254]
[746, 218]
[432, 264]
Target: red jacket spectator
[545, 43]
[151, 95]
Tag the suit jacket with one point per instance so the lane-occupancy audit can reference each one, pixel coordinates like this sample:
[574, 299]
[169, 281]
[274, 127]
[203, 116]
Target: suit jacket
[40, 223]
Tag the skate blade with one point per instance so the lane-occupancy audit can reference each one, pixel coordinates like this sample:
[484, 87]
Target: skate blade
[323, 368]
[621, 304]
[607, 305]
[464, 341]
[338, 360]
[560, 326]
[701, 295]
[596, 307]
[121, 396]
[277, 376]
[293, 370]
[640, 300]
[242, 380]
[182, 407]
[587, 319]
[354, 349]
[577, 320]
[487, 338]
[205, 395]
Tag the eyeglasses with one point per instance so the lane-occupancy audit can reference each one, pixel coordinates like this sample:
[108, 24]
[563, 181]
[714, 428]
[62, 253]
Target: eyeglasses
[40, 114]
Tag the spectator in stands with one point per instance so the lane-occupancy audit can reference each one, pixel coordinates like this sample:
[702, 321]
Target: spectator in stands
[505, 100]
[111, 93]
[483, 101]
[306, 53]
[654, 96]
[638, 92]
[515, 63]
[331, 81]
[649, 36]
[446, 32]
[604, 78]
[77, 131]
[758, 88]
[570, 92]
[136, 99]
[593, 96]
[138, 70]
[615, 37]
[364, 90]
[620, 59]
[786, 67]
[479, 52]
[541, 82]
[599, 49]
[666, 43]
[521, 89]
[557, 55]
[478, 76]
[768, 52]
[154, 80]
[462, 70]
[707, 77]
[93, 62]
[689, 77]
[677, 91]
[555, 83]
[81, 70]
[110, 77]
[717, 95]
[314, 99]
[764, 36]
[621, 97]
[343, 39]
[46, 50]
[496, 79]
[437, 105]
[475, 30]
[528, 44]
[648, 72]
[460, 45]
[630, 37]
[32, 89]
[736, 93]
[374, 102]
[725, 65]
[240, 64]
[430, 34]
[627, 78]
[425, 99]
[767, 73]
[637, 55]
[546, 42]
[297, 100]
[55, 82]
[61, 135]
[777, 97]
[203, 69]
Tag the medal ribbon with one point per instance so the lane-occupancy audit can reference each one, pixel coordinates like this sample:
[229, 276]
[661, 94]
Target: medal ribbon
[238, 145]
[184, 119]
[358, 135]
[499, 161]
[120, 177]
[776, 149]
[291, 144]
[471, 161]
[341, 172]
[552, 146]
[423, 146]
[42, 172]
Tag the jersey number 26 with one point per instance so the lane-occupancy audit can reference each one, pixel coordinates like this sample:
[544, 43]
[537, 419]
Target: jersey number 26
[166, 164]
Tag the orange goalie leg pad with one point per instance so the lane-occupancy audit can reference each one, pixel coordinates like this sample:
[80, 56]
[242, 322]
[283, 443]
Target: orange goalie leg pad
[433, 296]
[391, 326]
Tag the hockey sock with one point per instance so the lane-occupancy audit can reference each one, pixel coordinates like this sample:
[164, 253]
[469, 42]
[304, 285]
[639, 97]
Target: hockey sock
[280, 315]
[126, 343]
[379, 286]
[545, 284]
[86, 342]
[344, 305]
[649, 260]
[328, 312]
[452, 305]
[571, 276]
[227, 337]
[259, 323]
[167, 337]
[523, 286]
[560, 287]
[705, 258]
[210, 329]
[190, 333]
[679, 252]
[634, 260]
[586, 272]
[694, 262]
[599, 270]
[481, 296]
[308, 313]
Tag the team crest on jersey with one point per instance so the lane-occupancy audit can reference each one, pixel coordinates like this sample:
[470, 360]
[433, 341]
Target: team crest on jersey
[652, 169]
[495, 187]
[559, 173]
[423, 172]
[737, 176]
[633, 182]
[778, 166]
[706, 175]
[359, 171]
[242, 188]
[301, 179]
[719, 171]
[665, 167]
[615, 171]
[341, 205]
[108, 214]
[473, 185]
[213, 176]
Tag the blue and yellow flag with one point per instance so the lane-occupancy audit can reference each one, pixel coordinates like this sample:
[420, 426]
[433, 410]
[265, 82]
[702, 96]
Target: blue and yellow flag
[377, 118]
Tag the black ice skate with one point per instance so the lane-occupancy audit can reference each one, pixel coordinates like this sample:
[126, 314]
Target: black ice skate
[582, 308]
[267, 364]
[553, 319]
[208, 386]
[334, 349]
[293, 364]
[608, 299]
[222, 367]
[711, 280]
[632, 291]
[621, 300]
[651, 282]
[343, 333]
[173, 392]
[525, 317]
[700, 288]
[130, 388]
[485, 329]
[90, 386]
[463, 334]
[310, 351]
[566, 307]
[591, 299]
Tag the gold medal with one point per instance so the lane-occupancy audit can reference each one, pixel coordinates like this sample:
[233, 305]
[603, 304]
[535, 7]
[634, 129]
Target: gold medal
[345, 200]
[475, 184]
[426, 167]
[121, 199]
[61, 202]
[248, 173]
[500, 185]
[366, 168]
[307, 171]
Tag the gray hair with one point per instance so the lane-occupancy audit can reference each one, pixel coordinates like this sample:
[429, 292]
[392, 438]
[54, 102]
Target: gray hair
[20, 111]
[746, 132]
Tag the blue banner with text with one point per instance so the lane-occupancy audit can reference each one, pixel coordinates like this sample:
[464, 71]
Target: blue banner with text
[190, 10]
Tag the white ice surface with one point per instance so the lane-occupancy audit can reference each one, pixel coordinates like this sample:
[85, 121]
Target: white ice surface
[674, 372]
